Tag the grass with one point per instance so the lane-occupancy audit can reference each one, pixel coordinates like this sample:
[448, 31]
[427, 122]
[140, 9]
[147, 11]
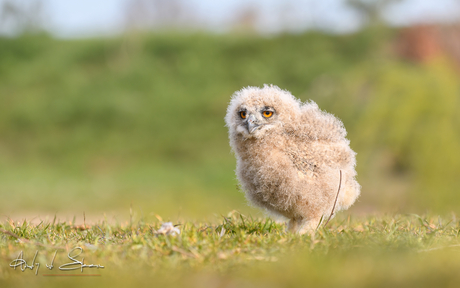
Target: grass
[237, 250]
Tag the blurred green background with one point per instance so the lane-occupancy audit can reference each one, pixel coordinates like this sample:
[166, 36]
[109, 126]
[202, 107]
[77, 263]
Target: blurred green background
[103, 125]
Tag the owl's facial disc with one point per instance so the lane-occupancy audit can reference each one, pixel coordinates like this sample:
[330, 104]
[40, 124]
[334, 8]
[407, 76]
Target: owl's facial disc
[256, 119]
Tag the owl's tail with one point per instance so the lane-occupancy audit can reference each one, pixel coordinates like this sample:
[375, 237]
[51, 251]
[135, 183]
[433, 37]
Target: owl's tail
[350, 192]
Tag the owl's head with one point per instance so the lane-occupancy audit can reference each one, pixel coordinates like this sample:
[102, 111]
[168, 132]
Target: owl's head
[255, 111]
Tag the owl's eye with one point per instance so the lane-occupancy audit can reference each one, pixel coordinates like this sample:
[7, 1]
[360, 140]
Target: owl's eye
[243, 114]
[267, 114]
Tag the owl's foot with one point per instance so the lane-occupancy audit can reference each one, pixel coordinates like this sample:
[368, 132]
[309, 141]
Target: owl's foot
[302, 226]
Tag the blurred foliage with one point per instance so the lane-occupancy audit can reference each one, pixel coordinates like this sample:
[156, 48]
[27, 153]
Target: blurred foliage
[411, 117]
[140, 118]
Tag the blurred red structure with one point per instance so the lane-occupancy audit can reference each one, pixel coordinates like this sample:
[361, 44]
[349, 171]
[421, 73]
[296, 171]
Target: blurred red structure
[422, 43]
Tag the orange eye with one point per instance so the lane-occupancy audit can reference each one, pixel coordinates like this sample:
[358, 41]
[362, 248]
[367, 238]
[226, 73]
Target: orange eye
[243, 114]
[267, 114]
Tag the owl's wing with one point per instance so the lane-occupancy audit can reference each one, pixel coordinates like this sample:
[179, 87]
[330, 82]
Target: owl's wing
[319, 125]
[302, 161]
[311, 158]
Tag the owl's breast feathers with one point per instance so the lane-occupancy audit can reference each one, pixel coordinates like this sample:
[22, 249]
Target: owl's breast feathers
[279, 170]
[309, 148]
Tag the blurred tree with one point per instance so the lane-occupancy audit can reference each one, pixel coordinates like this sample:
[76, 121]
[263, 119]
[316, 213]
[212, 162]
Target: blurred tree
[246, 19]
[19, 17]
[371, 10]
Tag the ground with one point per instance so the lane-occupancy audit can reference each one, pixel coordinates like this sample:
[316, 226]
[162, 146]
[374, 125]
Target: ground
[238, 251]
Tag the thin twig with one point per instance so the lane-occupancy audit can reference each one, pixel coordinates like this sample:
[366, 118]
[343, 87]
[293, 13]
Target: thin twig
[27, 241]
[10, 233]
[336, 197]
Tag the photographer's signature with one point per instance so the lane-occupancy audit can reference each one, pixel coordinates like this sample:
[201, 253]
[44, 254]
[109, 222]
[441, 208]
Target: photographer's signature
[72, 255]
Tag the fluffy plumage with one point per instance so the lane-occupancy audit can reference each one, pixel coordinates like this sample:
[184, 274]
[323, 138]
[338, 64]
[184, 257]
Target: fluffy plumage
[289, 156]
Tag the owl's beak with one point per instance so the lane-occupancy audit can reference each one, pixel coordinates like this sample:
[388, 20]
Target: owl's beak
[251, 124]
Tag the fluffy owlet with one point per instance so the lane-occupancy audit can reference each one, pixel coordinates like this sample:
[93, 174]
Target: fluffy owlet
[290, 156]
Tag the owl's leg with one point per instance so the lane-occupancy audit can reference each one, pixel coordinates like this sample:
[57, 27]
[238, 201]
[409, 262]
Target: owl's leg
[309, 226]
[302, 225]
[294, 225]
